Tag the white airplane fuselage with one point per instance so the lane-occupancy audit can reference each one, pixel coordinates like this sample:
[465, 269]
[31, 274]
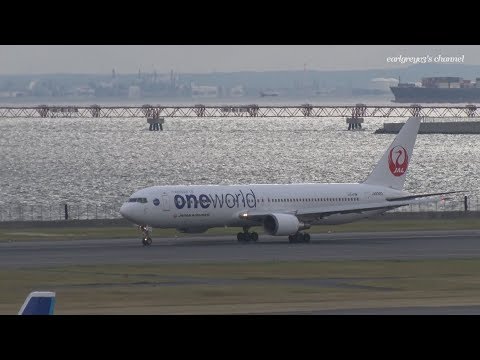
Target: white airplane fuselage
[199, 207]
[282, 209]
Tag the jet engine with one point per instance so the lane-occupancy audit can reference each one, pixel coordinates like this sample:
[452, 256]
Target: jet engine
[282, 224]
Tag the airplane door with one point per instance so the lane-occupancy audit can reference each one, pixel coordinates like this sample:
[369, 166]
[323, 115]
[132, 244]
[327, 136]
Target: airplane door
[268, 202]
[165, 203]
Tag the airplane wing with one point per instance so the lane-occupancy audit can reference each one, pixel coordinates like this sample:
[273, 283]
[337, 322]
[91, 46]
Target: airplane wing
[307, 215]
[410, 197]
[316, 213]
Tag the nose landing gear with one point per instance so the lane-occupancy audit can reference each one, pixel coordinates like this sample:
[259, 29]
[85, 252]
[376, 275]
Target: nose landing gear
[146, 238]
[147, 241]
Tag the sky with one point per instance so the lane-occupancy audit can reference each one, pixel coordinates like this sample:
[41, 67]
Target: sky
[101, 59]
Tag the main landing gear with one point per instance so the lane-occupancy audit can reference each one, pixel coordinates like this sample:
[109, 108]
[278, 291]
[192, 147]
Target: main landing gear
[246, 236]
[146, 238]
[299, 238]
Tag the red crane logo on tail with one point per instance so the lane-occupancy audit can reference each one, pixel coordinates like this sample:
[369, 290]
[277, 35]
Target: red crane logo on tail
[398, 160]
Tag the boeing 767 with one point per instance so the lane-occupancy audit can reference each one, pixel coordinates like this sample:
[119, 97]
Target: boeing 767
[282, 209]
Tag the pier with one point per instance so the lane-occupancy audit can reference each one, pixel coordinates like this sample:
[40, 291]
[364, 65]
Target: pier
[440, 127]
[222, 111]
[155, 114]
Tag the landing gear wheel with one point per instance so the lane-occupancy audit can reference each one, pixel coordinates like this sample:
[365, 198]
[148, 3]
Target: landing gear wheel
[147, 241]
[299, 238]
[246, 236]
[146, 238]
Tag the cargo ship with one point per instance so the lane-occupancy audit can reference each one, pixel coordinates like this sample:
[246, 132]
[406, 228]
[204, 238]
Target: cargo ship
[438, 90]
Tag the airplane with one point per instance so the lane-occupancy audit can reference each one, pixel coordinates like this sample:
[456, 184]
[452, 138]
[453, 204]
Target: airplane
[38, 303]
[282, 209]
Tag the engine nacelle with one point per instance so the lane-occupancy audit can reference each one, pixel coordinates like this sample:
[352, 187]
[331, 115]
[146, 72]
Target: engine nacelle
[282, 224]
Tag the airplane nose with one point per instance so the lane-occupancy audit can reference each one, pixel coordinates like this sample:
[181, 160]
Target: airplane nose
[129, 212]
[123, 210]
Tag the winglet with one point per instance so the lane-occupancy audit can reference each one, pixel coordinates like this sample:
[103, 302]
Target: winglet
[38, 303]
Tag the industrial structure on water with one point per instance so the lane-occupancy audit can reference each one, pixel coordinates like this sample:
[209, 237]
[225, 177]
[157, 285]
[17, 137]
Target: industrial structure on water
[438, 90]
[354, 114]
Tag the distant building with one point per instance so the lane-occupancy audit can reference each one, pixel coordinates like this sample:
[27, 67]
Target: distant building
[84, 91]
[134, 92]
[237, 91]
[203, 91]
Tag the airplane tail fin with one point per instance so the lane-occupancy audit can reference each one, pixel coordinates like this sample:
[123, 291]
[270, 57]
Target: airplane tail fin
[391, 170]
[38, 303]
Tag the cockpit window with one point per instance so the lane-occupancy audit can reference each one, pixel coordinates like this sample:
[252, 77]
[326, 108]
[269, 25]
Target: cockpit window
[140, 200]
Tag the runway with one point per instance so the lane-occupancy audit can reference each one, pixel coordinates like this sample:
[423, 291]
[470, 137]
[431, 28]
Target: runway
[206, 249]
[414, 310]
